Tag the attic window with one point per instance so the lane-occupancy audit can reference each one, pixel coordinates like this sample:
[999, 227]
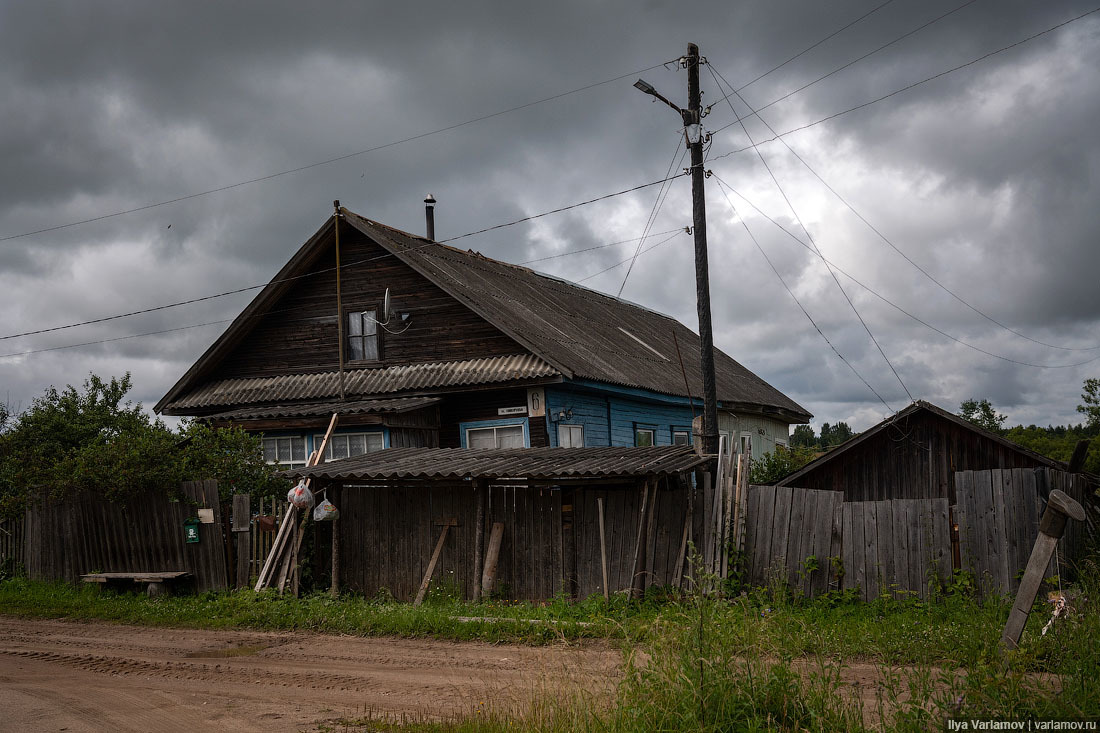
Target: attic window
[643, 343]
[363, 344]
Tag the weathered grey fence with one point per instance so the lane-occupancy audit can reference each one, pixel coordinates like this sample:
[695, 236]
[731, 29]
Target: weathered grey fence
[998, 516]
[11, 544]
[85, 534]
[815, 541]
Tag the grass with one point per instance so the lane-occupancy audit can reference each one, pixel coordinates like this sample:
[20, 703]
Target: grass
[764, 660]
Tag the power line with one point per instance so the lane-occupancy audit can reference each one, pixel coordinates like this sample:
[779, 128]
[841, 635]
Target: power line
[850, 63]
[908, 87]
[336, 159]
[810, 237]
[620, 263]
[883, 237]
[797, 301]
[327, 269]
[591, 249]
[657, 204]
[889, 302]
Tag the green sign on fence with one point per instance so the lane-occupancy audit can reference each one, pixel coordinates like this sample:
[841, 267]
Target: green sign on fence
[191, 530]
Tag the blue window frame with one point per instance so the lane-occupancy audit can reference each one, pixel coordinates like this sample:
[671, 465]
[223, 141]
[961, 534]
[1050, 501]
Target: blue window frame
[488, 431]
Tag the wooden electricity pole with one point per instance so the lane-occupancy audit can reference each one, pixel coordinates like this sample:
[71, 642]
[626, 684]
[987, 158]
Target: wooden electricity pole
[694, 132]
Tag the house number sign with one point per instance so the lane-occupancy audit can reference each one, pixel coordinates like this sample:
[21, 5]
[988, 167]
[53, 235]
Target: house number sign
[511, 410]
[536, 402]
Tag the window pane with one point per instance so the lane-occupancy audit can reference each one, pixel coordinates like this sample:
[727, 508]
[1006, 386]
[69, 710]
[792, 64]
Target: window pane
[374, 442]
[643, 438]
[370, 326]
[283, 450]
[369, 348]
[571, 436]
[510, 437]
[481, 438]
[298, 449]
[270, 451]
[357, 445]
[681, 438]
[355, 348]
[355, 324]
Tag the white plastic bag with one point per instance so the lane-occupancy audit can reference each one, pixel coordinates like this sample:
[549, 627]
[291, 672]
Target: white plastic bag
[301, 497]
[326, 511]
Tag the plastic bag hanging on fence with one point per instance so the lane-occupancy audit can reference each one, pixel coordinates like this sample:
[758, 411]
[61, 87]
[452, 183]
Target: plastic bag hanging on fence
[301, 497]
[326, 511]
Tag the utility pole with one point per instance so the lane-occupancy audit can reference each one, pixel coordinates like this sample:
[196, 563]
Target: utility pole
[693, 135]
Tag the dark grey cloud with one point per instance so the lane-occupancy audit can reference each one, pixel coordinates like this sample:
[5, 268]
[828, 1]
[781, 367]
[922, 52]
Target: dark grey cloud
[985, 177]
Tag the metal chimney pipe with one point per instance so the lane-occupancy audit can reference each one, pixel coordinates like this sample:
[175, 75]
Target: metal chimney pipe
[429, 216]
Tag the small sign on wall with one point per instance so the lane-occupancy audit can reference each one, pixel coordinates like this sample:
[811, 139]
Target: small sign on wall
[511, 410]
[536, 401]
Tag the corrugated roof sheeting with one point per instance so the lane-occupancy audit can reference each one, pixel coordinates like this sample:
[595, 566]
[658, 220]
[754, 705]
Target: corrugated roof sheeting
[362, 407]
[258, 390]
[513, 463]
[592, 335]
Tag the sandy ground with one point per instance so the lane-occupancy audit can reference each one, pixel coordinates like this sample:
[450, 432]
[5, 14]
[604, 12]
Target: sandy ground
[75, 676]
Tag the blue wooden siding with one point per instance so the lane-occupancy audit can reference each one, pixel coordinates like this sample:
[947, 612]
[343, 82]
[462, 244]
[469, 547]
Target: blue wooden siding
[621, 412]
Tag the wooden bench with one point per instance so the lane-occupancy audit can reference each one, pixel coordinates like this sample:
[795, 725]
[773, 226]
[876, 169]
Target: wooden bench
[156, 584]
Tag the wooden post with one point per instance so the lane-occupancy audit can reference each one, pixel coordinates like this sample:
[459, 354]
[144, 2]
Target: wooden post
[603, 549]
[681, 556]
[651, 533]
[1060, 508]
[334, 578]
[447, 524]
[242, 536]
[637, 576]
[489, 575]
[482, 490]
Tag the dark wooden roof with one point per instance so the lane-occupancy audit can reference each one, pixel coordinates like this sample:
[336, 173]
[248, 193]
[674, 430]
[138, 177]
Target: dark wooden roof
[547, 464]
[853, 445]
[581, 333]
[315, 409]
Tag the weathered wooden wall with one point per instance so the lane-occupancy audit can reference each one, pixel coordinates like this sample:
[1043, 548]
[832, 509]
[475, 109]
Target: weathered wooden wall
[882, 546]
[63, 540]
[916, 458]
[300, 333]
[998, 516]
[387, 535]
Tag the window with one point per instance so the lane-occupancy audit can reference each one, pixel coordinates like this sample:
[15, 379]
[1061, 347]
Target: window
[500, 436]
[644, 437]
[681, 437]
[780, 443]
[350, 444]
[287, 452]
[363, 336]
[746, 443]
[570, 436]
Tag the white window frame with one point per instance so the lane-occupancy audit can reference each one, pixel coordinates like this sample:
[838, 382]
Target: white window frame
[274, 440]
[367, 437]
[652, 436]
[685, 433]
[781, 442]
[746, 439]
[494, 428]
[572, 427]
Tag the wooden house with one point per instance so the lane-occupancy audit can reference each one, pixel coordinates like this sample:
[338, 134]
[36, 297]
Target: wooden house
[473, 352]
[913, 455]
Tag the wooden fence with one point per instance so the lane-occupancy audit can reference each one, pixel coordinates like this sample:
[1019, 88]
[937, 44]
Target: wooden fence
[11, 545]
[65, 539]
[998, 516]
[814, 541]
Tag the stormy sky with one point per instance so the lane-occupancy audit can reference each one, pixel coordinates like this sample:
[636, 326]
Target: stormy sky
[986, 178]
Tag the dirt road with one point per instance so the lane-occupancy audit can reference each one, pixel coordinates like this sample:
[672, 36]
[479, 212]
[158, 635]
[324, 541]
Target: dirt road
[70, 676]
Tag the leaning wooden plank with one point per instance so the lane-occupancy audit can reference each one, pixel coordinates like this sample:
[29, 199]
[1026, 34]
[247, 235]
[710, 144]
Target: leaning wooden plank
[637, 581]
[603, 548]
[489, 575]
[447, 524]
[277, 544]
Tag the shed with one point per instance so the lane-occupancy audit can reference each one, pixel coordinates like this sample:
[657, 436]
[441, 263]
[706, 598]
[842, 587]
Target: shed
[913, 455]
[395, 503]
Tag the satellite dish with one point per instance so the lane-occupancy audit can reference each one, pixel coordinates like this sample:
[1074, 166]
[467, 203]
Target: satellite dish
[386, 306]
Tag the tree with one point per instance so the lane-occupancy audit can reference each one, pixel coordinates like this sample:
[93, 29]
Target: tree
[982, 414]
[803, 437]
[773, 466]
[1091, 408]
[94, 440]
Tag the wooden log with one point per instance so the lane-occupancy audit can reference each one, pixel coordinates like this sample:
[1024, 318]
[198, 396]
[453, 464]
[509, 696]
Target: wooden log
[242, 538]
[489, 574]
[1060, 508]
[447, 524]
[603, 548]
[482, 490]
[649, 574]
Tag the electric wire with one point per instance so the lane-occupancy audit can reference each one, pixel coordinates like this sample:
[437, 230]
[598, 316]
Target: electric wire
[882, 236]
[321, 271]
[850, 63]
[799, 303]
[909, 86]
[267, 313]
[810, 237]
[657, 204]
[889, 302]
[591, 249]
[328, 161]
